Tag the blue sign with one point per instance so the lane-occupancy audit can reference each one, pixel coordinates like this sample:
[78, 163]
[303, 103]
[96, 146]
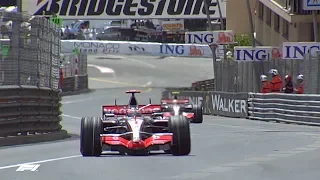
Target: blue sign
[243, 53]
[250, 55]
[171, 49]
[311, 5]
[313, 2]
[201, 38]
[297, 50]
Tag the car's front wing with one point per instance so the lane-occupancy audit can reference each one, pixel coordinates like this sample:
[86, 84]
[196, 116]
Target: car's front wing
[114, 142]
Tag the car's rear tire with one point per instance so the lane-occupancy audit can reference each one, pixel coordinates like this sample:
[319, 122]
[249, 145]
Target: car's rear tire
[90, 141]
[179, 126]
[198, 114]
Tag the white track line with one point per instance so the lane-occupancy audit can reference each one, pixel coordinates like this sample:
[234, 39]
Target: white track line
[147, 84]
[39, 162]
[137, 61]
[69, 116]
[102, 69]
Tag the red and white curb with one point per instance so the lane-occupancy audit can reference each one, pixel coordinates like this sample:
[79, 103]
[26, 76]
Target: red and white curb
[102, 69]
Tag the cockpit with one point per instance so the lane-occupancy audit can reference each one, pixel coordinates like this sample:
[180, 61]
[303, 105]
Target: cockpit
[133, 112]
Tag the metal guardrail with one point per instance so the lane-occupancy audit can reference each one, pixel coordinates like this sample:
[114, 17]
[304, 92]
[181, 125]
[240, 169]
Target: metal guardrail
[294, 7]
[75, 83]
[29, 110]
[70, 65]
[205, 85]
[290, 108]
[216, 103]
[287, 108]
[178, 89]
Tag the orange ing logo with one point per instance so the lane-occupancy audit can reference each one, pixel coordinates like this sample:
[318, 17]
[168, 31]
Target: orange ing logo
[195, 52]
[275, 53]
[224, 38]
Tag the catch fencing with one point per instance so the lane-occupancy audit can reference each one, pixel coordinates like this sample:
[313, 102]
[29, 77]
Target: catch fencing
[240, 76]
[74, 69]
[29, 71]
[30, 52]
[73, 64]
[287, 108]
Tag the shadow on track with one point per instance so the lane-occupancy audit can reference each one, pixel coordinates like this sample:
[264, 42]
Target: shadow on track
[72, 137]
[153, 154]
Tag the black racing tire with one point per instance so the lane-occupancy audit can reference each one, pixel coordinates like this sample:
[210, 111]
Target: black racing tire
[179, 126]
[198, 114]
[90, 141]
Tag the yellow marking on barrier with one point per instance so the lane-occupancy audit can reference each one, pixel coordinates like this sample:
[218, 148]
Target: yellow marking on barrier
[149, 89]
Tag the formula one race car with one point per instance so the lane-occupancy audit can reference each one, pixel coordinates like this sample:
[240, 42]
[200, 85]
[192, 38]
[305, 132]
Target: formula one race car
[193, 112]
[134, 130]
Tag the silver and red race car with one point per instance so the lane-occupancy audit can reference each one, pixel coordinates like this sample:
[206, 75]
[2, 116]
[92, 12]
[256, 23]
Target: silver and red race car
[193, 112]
[135, 130]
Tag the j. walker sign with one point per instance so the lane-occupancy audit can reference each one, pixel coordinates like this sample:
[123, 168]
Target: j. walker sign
[123, 9]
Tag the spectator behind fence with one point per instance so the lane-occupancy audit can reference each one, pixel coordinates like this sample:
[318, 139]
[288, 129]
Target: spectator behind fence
[67, 33]
[276, 82]
[299, 89]
[265, 84]
[288, 85]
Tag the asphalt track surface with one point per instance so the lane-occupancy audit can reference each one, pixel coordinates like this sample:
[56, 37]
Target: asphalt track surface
[222, 148]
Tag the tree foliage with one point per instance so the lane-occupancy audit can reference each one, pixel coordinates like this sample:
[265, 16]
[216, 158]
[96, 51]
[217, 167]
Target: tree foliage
[242, 40]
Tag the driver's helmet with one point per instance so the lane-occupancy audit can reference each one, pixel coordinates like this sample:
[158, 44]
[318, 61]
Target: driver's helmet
[133, 112]
[133, 107]
[175, 95]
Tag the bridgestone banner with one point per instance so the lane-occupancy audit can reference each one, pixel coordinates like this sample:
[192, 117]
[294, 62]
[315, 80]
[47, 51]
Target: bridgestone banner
[124, 9]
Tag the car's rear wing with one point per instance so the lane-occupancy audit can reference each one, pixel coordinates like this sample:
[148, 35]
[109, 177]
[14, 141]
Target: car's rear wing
[174, 101]
[117, 110]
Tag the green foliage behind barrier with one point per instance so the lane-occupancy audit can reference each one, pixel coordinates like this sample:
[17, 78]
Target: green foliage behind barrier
[242, 39]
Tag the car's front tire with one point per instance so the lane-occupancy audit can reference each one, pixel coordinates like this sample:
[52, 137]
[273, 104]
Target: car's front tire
[179, 126]
[90, 141]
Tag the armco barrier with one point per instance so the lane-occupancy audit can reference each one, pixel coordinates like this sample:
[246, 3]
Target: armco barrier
[289, 108]
[205, 85]
[28, 110]
[75, 83]
[74, 69]
[216, 103]
[144, 48]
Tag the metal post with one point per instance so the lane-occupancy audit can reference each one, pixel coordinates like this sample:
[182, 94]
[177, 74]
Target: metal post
[315, 26]
[253, 40]
[19, 5]
[316, 39]
[251, 24]
[51, 36]
[213, 48]
[222, 28]
[208, 14]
